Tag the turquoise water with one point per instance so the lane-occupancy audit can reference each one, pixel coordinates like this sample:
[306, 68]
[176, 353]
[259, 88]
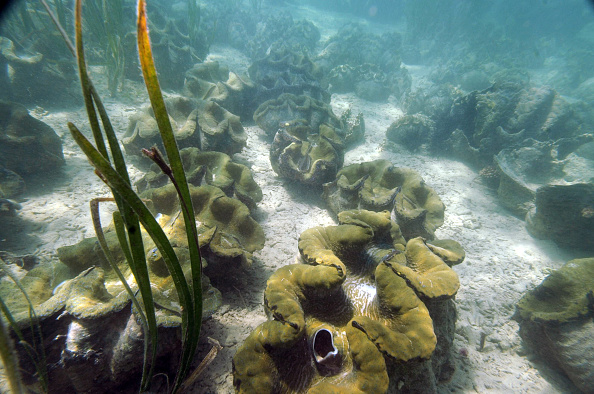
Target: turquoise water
[489, 103]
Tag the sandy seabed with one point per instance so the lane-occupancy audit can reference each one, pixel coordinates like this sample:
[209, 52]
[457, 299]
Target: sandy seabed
[502, 260]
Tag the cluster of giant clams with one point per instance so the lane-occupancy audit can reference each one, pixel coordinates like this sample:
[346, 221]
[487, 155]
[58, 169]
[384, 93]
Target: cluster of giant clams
[370, 306]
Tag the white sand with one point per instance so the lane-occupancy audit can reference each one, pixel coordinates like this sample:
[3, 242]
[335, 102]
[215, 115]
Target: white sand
[503, 260]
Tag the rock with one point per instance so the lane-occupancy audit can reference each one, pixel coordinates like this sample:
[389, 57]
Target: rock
[556, 321]
[27, 145]
[565, 214]
[11, 184]
[411, 131]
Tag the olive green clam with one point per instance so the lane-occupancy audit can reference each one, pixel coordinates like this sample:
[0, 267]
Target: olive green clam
[196, 123]
[220, 129]
[425, 271]
[378, 185]
[407, 332]
[300, 152]
[289, 107]
[90, 329]
[556, 321]
[96, 287]
[28, 146]
[215, 169]
[411, 131]
[564, 296]
[227, 233]
[212, 81]
[276, 356]
[338, 322]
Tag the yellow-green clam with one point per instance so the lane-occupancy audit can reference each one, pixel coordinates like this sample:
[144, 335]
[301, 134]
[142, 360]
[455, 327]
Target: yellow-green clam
[361, 294]
[378, 185]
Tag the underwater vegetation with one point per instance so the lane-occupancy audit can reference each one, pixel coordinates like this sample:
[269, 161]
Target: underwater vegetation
[105, 21]
[133, 210]
[85, 298]
[34, 58]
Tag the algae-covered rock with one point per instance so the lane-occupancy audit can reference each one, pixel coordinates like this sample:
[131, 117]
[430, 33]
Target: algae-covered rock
[556, 321]
[565, 214]
[411, 131]
[214, 168]
[377, 186]
[27, 145]
[360, 295]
